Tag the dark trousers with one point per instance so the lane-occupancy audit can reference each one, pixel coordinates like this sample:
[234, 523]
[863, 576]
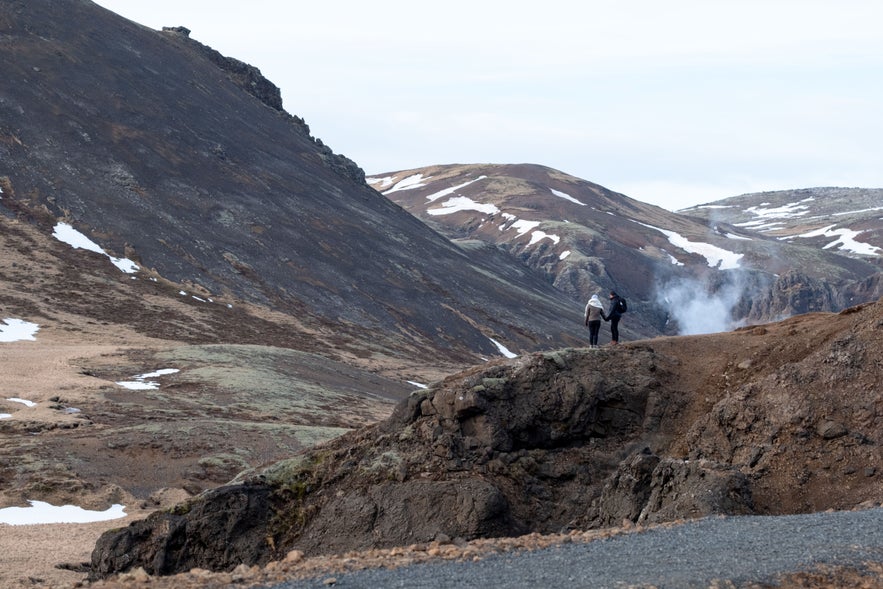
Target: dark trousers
[614, 329]
[594, 328]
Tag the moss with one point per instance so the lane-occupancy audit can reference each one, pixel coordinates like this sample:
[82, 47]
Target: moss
[293, 480]
[558, 357]
[223, 461]
[289, 471]
[388, 462]
[407, 433]
[181, 508]
[493, 384]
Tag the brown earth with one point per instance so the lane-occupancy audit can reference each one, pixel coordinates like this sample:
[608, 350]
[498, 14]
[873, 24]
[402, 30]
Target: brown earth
[254, 386]
[776, 419]
[793, 407]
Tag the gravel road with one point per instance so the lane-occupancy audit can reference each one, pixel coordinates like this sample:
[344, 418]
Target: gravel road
[740, 549]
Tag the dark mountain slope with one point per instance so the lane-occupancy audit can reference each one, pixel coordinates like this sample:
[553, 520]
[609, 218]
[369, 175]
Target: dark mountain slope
[587, 239]
[146, 142]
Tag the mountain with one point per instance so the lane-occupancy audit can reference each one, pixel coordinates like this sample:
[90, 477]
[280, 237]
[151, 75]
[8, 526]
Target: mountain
[163, 151]
[682, 273]
[772, 419]
[845, 220]
[160, 215]
[207, 289]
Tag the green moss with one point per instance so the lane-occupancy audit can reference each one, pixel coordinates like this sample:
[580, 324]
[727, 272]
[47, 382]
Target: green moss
[289, 471]
[387, 463]
[493, 384]
[223, 461]
[293, 479]
[181, 508]
[558, 357]
[407, 433]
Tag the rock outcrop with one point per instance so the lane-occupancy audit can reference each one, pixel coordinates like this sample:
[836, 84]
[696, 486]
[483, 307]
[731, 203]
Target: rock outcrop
[755, 421]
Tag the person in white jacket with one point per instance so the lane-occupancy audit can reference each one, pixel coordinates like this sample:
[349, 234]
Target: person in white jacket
[594, 314]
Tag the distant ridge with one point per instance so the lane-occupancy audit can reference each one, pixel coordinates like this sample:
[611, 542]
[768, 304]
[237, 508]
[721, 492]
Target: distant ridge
[848, 221]
[690, 272]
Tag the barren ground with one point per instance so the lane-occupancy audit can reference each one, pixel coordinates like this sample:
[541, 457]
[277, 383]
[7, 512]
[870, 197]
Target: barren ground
[254, 387]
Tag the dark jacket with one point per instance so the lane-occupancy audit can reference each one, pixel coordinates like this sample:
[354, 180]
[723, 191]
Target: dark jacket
[614, 312]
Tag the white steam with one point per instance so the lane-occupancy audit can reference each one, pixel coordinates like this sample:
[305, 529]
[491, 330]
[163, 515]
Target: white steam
[697, 309]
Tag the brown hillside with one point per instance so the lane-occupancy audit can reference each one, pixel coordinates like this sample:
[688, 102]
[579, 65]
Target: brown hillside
[781, 418]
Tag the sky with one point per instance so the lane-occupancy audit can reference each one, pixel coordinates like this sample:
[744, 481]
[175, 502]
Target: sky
[674, 103]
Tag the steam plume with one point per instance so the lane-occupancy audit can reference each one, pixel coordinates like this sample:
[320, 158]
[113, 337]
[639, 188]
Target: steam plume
[697, 308]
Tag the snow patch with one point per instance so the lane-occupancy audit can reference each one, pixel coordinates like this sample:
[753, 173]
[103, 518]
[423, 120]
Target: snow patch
[845, 240]
[674, 260]
[537, 236]
[795, 209]
[463, 203]
[858, 212]
[716, 257]
[566, 196]
[384, 182]
[708, 207]
[409, 183]
[17, 330]
[67, 234]
[45, 513]
[448, 191]
[140, 382]
[523, 226]
[503, 350]
[22, 401]
[564, 255]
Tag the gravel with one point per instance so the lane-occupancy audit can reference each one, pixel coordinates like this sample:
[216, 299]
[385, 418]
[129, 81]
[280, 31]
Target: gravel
[738, 549]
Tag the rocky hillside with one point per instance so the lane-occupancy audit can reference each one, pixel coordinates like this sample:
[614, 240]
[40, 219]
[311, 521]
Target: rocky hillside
[848, 221]
[681, 273]
[240, 384]
[774, 419]
[163, 151]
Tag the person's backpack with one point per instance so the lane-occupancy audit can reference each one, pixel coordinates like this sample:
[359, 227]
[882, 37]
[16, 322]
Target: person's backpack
[623, 306]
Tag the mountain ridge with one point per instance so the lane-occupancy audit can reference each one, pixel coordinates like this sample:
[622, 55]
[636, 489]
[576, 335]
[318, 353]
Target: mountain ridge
[587, 239]
[810, 215]
[159, 156]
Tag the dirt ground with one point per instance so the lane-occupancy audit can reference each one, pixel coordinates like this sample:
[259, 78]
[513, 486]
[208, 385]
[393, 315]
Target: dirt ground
[84, 444]
[253, 387]
[41, 460]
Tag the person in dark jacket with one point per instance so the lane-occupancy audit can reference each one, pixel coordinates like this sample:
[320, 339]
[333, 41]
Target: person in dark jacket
[594, 314]
[613, 316]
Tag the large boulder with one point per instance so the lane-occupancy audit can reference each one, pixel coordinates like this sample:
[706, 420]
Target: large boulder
[223, 527]
[649, 489]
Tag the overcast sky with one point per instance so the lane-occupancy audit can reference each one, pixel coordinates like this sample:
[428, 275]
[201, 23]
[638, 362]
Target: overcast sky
[675, 103]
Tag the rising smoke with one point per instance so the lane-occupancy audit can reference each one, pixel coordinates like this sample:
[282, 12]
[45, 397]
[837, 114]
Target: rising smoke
[699, 307]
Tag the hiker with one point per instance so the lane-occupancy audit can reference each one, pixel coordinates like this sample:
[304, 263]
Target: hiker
[594, 314]
[617, 308]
